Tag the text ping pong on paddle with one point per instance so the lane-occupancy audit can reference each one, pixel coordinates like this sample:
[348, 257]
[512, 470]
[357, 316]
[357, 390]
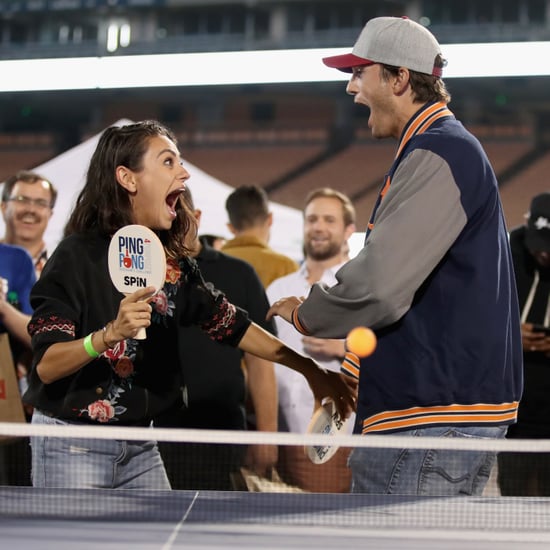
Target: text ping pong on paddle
[132, 255]
[136, 260]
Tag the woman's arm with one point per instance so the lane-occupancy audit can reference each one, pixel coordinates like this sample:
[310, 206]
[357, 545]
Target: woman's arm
[65, 358]
[340, 387]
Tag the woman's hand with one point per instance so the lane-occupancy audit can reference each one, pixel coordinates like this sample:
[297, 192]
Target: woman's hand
[134, 314]
[341, 388]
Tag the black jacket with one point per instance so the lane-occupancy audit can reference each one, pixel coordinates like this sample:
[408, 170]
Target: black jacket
[213, 377]
[138, 379]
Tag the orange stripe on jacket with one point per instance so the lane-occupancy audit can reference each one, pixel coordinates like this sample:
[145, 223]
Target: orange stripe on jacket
[415, 416]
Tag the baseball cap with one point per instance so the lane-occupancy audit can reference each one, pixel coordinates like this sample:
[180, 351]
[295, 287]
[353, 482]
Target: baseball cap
[396, 41]
[537, 235]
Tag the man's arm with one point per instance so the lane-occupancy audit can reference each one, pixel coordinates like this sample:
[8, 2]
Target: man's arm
[15, 321]
[262, 388]
[417, 221]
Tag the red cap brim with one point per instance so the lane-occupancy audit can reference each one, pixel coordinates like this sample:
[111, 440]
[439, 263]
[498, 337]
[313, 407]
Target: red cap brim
[346, 62]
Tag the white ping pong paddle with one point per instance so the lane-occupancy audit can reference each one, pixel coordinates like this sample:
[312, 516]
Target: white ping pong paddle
[325, 421]
[136, 260]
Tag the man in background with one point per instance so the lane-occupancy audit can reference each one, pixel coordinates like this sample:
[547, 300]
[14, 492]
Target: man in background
[250, 221]
[528, 474]
[215, 385]
[27, 206]
[28, 200]
[329, 221]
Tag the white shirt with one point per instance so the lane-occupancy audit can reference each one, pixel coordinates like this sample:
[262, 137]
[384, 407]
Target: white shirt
[295, 396]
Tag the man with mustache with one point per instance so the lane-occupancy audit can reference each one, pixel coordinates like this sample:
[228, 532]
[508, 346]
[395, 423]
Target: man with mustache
[27, 206]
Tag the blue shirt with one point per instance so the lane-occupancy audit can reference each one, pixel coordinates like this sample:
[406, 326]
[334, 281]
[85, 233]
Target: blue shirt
[16, 266]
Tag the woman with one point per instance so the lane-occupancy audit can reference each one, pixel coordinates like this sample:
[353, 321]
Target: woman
[87, 366]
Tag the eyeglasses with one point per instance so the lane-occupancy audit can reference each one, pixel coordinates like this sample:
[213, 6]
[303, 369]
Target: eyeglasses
[28, 201]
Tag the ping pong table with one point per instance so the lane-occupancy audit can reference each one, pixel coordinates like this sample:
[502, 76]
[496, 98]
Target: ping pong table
[93, 518]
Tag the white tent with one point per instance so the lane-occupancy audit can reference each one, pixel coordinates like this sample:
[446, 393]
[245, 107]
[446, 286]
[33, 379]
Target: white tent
[68, 172]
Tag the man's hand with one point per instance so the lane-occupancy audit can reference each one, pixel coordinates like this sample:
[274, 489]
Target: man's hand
[324, 349]
[261, 459]
[284, 308]
[534, 340]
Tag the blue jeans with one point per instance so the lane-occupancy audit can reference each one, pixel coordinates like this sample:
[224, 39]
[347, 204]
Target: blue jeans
[434, 472]
[94, 463]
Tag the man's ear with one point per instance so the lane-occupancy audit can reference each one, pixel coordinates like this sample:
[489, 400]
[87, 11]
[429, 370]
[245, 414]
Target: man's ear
[125, 177]
[270, 219]
[231, 228]
[401, 81]
[349, 231]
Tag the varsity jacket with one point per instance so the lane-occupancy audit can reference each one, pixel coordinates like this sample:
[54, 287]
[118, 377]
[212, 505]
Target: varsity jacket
[435, 282]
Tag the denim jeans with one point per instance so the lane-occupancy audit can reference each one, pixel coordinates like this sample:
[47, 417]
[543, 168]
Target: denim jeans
[94, 463]
[434, 472]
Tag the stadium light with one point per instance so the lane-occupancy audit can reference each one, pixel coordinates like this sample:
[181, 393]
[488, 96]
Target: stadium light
[257, 67]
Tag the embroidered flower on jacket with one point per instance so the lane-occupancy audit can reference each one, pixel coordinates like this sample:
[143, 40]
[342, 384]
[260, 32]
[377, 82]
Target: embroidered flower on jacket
[106, 410]
[163, 301]
[173, 272]
[160, 300]
[124, 367]
[117, 351]
[101, 410]
[121, 358]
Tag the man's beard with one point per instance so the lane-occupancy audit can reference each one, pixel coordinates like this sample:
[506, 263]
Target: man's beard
[321, 254]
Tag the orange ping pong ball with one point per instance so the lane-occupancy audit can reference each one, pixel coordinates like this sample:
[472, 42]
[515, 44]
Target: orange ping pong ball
[361, 341]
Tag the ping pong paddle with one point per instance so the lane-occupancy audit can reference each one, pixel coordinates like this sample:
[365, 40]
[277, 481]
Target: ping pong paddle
[326, 421]
[136, 260]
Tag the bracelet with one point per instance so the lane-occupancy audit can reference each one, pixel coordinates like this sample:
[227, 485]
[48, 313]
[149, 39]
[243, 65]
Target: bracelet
[89, 346]
[103, 333]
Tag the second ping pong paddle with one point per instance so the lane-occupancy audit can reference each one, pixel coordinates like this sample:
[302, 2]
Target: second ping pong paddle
[325, 421]
[136, 260]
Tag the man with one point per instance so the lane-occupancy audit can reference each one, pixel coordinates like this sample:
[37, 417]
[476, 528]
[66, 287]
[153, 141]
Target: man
[250, 221]
[329, 221]
[434, 280]
[215, 386]
[27, 206]
[528, 474]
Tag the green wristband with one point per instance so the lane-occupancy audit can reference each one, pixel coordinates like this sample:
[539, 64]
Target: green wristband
[89, 347]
